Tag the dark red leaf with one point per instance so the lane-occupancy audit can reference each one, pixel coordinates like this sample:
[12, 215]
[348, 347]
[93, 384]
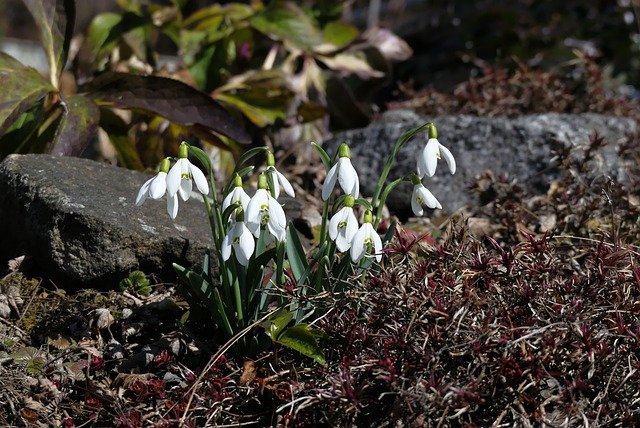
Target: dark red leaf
[172, 99]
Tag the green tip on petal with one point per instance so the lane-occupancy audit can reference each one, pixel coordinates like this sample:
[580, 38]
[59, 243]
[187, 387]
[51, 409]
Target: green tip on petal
[165, 165]
[344, 151]
[239, 214]
[368, 217]
[433, 132]
[183, 151]
[415, 179]
[349, 201]
[262, 181]
[271, 161]
[237, 181]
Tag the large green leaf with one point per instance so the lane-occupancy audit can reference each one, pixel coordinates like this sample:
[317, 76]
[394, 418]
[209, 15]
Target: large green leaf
[22, 133]
[22, 88]
[55, 19]
[263, 96]
[302, 338]
[339, 34]
[172, 99]
[276, 323]
[103, 32]
[77, 127]
[285, 21]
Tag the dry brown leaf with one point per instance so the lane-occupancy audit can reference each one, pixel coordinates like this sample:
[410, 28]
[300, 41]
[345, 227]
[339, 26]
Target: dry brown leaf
[248, 372]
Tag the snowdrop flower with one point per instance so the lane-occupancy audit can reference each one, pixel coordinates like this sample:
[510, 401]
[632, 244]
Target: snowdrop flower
[181, 175]
[366, 239]
[263, 211]
[278, 178]
[422, 196]
[236, 195]
[239, 239]
[344, 225]
[156, 187]
[342, 172]
[428, 159]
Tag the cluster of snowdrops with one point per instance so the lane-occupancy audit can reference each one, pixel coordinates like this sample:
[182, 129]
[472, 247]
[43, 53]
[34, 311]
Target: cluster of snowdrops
[240, 296]
[262, 212]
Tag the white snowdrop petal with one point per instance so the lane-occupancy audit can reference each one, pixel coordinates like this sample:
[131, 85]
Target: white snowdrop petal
[430, 154]
[158, 186]
[246, 245]
[228, 199]
[333, 225]
[347, 176]
[143, 192]
[377, 243]
[416, 207]
[276, 184]
[342, 243]
[357, 244]
[244, 198]
[172, 206]
[286, 185]
[448, 157]
[173, 179]
[277, 218]
[184, 191]
[225, 248]
[199, 178]
[352, 225]
[330, 182]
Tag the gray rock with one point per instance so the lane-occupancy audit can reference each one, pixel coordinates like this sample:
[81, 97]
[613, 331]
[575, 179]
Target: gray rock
[78, 220]
[521, 148]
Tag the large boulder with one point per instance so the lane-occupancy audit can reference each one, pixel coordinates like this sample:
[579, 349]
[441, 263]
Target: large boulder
[78, 221]
[522, 148]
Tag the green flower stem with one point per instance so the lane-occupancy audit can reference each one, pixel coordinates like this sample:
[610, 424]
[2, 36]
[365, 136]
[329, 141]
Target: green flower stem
[238, 298]
[392, 157]
[323, 225]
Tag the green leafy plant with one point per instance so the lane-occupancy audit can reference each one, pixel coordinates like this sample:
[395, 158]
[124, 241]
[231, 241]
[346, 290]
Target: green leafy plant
[37, 116]
[137, 282]
[257, 272]
[277, 64]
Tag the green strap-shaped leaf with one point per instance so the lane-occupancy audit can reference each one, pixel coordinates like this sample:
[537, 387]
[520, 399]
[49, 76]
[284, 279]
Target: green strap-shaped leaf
[22, 88]
[295, 253]
[77, 127]
[169, 98]
[302, 338]
[55, 19]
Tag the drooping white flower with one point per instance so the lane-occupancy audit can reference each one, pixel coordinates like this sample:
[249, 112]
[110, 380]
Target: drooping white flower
[182, 175]
[342, 172]
[237, 194]
[422, 196]
[240, 239]
[344, 225]
[156, 187]
[278, 178]
[264, 211]
[366, 240]
[153, 188]
[428, 159]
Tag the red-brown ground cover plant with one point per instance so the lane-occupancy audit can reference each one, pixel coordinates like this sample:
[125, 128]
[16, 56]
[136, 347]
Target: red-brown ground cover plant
[532, 319]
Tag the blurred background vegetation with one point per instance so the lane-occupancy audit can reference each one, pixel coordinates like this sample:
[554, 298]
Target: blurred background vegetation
[291, 72]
